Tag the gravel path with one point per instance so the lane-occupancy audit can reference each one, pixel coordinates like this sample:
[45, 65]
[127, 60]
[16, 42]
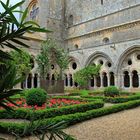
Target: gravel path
[120, 126]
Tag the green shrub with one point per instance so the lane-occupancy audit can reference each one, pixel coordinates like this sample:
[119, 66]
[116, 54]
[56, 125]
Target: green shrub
[122, 99]
[111, 91]
[84, 92]
[48, 113]
[36, 96]
[18, 128]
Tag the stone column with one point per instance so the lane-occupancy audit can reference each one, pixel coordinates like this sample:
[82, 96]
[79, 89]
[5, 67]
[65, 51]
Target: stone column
[108, 79]
[122, 80]
[26, 82]
[95, 82]
[139, 80]
[38, 80]
[101, 77]
[130, 75]
[32, 86]
[116, 80]
[68, 80]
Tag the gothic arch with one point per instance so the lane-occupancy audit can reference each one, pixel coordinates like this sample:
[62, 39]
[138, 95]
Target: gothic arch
[124, 55]
[95, 55]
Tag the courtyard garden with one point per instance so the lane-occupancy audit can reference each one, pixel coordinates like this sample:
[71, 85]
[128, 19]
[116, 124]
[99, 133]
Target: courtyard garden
[33, 111]
[74, 107]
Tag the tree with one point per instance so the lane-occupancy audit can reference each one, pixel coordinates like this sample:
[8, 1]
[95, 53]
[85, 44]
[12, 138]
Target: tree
[51, 54]
[12, 31]
[22, 61]
[82, 76]
[11, 36]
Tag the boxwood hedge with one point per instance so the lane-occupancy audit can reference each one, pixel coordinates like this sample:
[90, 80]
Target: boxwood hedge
[47, 113]
[18, 128]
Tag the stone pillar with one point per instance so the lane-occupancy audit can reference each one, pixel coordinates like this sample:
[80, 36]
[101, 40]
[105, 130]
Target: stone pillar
[139, 80]
[122, 80]
[68, 80]
[101, 77]
[26, 82]
[116, 80]
[38, 80]
[130, 75]
[108, 79]
[32, 86]
[95, 82]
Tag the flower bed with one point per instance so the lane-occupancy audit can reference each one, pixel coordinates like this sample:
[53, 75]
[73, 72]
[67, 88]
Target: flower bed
[51, 103]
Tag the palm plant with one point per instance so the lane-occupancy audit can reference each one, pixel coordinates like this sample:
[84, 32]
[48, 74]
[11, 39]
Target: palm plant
[12, 36]
[8, 79]
[12, 30]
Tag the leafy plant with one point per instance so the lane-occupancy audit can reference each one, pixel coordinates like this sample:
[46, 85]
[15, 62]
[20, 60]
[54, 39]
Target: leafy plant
[21, 61]
[111, 91]
[12, 31]
[8, 79]
[36, 96]
[82, 76]
[52, 54]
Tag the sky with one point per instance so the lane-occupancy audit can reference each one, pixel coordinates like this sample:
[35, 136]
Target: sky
[11, 2]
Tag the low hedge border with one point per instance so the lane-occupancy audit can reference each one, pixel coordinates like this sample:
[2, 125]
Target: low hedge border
[70, 119]
[122, 99]
[48, 113]
[114, 99]
[76, 98]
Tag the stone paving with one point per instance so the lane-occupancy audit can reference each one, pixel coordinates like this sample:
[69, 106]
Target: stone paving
[119, 126]
[124, 125]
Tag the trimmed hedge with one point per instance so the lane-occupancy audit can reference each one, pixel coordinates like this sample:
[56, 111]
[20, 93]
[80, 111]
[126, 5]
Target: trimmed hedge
[70, 119]
[47, 113]
[122, 99]
[111, 91]
[114, 99]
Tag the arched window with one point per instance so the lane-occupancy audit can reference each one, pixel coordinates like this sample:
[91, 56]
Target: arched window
[36, 80]
[70, 20]
[71, 80]
[48, 77]
[66, 80]
[105, 81]
[23, 84]
[53, 79]
[75, 84]
[112, 79]
[92, 82]
[98, 81]
[34, 12]
[135, 79]
[126, 79]
[29, 81]
[102, 2]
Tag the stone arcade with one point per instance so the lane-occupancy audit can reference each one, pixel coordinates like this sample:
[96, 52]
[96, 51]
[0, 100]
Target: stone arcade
[105, 32]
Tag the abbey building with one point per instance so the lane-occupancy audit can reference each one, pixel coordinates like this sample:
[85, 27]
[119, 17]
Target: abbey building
[105, 32]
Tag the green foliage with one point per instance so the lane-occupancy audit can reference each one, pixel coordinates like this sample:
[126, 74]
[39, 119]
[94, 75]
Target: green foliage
[48, 113]
[8, 79]
[111, 91]
[84, 92]
[82, 76]
[122, 99]
[50, 131]
[70, 119]
[36, 96]
[51, 54]
[21, 61]
[12, 30]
